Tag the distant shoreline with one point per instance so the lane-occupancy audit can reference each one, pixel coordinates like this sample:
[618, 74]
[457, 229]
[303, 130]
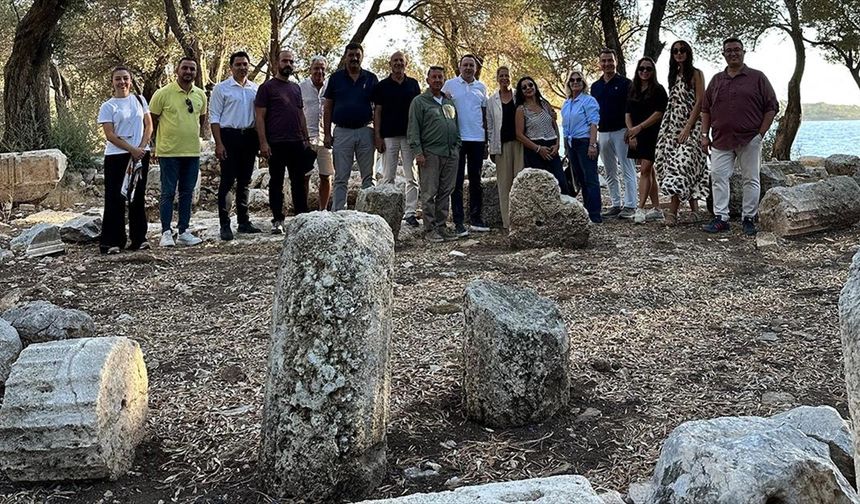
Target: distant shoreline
[830, 112]
[821, 119]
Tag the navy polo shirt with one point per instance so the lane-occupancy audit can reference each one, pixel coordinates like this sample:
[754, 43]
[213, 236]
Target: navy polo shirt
[612, 98]
[352, 98]
[395, 99]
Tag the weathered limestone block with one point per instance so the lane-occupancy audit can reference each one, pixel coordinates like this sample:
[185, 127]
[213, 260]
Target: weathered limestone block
[516, 353]
[842, 164]
[491, 210]
[849, 323]
[542, 217]
[40, 321]
[326, 404]
[488, 169]
[386, 201]
[40, 240]
[827, 204]
[826, 425]
[770, 176]
[746, 460]
[812, 161]
[27, 177]
[73, 410]
[83, 229]
[786, 167]
[10, 347]
[567, 489]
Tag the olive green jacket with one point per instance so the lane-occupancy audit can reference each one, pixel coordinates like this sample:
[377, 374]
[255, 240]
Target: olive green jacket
[433, 127]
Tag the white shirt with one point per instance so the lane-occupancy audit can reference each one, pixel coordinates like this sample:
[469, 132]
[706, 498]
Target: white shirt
[232, 104]
[126, 114]
[312, 99]
[469, 98]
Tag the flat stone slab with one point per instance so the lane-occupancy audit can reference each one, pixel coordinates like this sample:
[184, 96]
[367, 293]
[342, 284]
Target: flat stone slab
[73, 410]
[27, 177]
[40, 240]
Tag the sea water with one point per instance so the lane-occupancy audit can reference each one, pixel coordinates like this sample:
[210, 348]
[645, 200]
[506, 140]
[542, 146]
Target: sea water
[823, 138]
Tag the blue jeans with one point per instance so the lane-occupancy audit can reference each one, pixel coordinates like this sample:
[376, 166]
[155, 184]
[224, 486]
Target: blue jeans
[183, 170]
[584, 170]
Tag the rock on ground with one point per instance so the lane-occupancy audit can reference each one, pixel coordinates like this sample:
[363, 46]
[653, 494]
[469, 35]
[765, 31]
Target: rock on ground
[28, 177]
[786, 167]
[40, 321]
[842, 164]
[826, 425]
[849, 323]
[567, 489]
[516, 352]
[386, 201]
[746, 460]
[807, 208]
[542, 217]
[40, 240]
[770, 176]
[327, 392]
[491, 210]
[83, 229]
[10, 347]
[73, 410]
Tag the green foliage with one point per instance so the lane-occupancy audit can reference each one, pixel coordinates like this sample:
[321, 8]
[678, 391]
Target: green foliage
[73, 135]
[324, 33]
[830, 112]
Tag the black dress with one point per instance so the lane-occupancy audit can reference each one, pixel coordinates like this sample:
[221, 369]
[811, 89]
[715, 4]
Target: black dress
[639, 110]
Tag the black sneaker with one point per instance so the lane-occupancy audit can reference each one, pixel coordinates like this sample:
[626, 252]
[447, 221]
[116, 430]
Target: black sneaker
[247, 227]
[411, 221]
[717, 225]
[461, 231]
[749, 227]
[612, 212]
[226, 233]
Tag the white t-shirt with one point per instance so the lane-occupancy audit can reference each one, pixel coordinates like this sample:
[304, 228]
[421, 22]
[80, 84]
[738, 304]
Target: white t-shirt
[469, 98]
[126, 114]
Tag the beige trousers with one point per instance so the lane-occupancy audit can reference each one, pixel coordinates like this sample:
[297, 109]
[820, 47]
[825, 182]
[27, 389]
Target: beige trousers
[508, 164]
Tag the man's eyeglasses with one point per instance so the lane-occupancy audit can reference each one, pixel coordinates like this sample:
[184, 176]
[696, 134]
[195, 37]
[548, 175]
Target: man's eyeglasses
[679, 50]
[189, 105]
[733, 50]
[646, 69]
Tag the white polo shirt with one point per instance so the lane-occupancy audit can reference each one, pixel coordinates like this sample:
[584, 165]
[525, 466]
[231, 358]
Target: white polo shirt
[232, 104]
[312, 100]
[469, 98]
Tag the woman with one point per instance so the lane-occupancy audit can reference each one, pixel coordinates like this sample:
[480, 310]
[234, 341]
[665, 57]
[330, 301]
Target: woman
[580, 115]
[505, 151]
[681, 164]
[646, 103]
[127, 127]
[537, 131]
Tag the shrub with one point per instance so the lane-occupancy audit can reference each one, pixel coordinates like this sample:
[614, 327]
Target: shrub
[75, 137]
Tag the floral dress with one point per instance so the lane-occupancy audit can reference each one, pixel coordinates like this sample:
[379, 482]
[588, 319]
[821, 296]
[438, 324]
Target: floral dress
[681, 169]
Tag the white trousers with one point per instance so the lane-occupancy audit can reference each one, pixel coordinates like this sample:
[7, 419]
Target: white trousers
[398, 147]
[613, 152]
[748, 159]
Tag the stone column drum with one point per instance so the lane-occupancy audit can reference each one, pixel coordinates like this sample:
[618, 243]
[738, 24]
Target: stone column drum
[849, 323]
[326, 405]
[516, 354]
[832, 203]
[74, 409]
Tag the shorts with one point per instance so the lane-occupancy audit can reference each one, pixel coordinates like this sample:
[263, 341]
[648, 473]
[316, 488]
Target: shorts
[324, 163]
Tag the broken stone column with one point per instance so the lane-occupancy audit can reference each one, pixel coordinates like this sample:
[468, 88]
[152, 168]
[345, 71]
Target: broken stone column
[491, 212]
[73, 410]
[842, 164]
[326, 403]
[543, 217]
[770, 176]
[386, 201]
[849, 323]
[516, 353]
[40, 240]
[827, 204]
[27, 177]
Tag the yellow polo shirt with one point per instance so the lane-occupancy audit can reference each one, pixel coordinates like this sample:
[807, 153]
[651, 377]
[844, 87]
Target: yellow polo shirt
[178, 132]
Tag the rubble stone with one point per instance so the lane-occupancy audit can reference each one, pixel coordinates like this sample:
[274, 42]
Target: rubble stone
[40, 321]
[832, 203]
[28, 177]
[385, 200]
[542, 217]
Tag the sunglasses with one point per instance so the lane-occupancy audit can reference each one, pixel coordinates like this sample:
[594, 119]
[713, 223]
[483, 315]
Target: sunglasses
[646, 69]
[574, 80]
[527, 85]
[189, 105]
[679, 50]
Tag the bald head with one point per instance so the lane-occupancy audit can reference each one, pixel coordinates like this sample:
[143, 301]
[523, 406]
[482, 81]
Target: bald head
[397, 63]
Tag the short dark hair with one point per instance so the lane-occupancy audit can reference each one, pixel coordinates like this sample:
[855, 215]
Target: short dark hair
[478, 61]
[187, 58]
[436, 68]
[731, 40]
[239, 54]
[503, 67]
[608, 50]
[353, 45]
[119, 68]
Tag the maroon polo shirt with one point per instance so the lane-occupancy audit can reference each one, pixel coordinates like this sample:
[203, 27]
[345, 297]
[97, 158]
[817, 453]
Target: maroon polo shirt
[737, 106]
[283, 103]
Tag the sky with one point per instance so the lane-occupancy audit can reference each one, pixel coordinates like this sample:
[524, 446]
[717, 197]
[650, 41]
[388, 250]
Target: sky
[774, 55]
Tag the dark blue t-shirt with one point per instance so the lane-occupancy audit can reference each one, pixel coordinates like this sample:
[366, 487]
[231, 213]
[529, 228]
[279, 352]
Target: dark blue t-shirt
[352, 98]
[612, 98]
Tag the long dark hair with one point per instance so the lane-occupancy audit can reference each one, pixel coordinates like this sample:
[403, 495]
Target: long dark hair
[687, 68]
[520, 98]
[636, 92]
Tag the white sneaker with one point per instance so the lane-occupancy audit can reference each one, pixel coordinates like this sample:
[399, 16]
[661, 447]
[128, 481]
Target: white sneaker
[187, 239]
[167, 239]
[278, 227]
[655, 214]
[639, 216]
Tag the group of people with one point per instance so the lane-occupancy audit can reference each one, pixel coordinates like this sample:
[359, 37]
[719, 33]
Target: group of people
[440, 137]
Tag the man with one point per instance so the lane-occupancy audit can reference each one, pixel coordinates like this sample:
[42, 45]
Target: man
[231, 115]
[391, 99]
[178, 109]
[313, 89]
[283, 136]
[434, 136]
[348, 105]
[470, 98]
[738, 109]
[611, 94]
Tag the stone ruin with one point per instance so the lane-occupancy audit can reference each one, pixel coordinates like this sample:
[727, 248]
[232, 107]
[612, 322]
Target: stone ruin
[28, 177]
[326, 403]
[543, 217]
[386, 201]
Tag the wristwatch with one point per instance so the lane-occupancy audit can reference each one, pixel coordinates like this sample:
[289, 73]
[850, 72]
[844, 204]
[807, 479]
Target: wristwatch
[593, 145]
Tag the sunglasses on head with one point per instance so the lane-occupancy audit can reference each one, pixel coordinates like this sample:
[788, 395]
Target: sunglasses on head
[679, 50]
[189, 105]
[645, 69]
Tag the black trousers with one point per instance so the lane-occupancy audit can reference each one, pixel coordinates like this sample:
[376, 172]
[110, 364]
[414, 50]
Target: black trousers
[287, 157]
[113, 222]
[241, 147]
[471, 163]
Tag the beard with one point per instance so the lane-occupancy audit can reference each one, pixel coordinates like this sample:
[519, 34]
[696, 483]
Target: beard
[286, 71]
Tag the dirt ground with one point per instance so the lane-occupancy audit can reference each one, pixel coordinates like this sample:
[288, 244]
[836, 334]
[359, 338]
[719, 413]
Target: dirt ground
[666, 325]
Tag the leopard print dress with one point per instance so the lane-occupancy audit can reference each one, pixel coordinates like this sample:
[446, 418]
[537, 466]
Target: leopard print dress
[681, 169]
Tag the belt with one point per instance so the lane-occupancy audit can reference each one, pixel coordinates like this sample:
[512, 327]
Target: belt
[352, 127]
[241, 130]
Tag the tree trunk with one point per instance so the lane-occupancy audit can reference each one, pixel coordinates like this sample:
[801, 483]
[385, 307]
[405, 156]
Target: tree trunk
[610, 33]
[790, 122]
[363, 29]
[653, 45]
[26, 102]
[60, 85]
